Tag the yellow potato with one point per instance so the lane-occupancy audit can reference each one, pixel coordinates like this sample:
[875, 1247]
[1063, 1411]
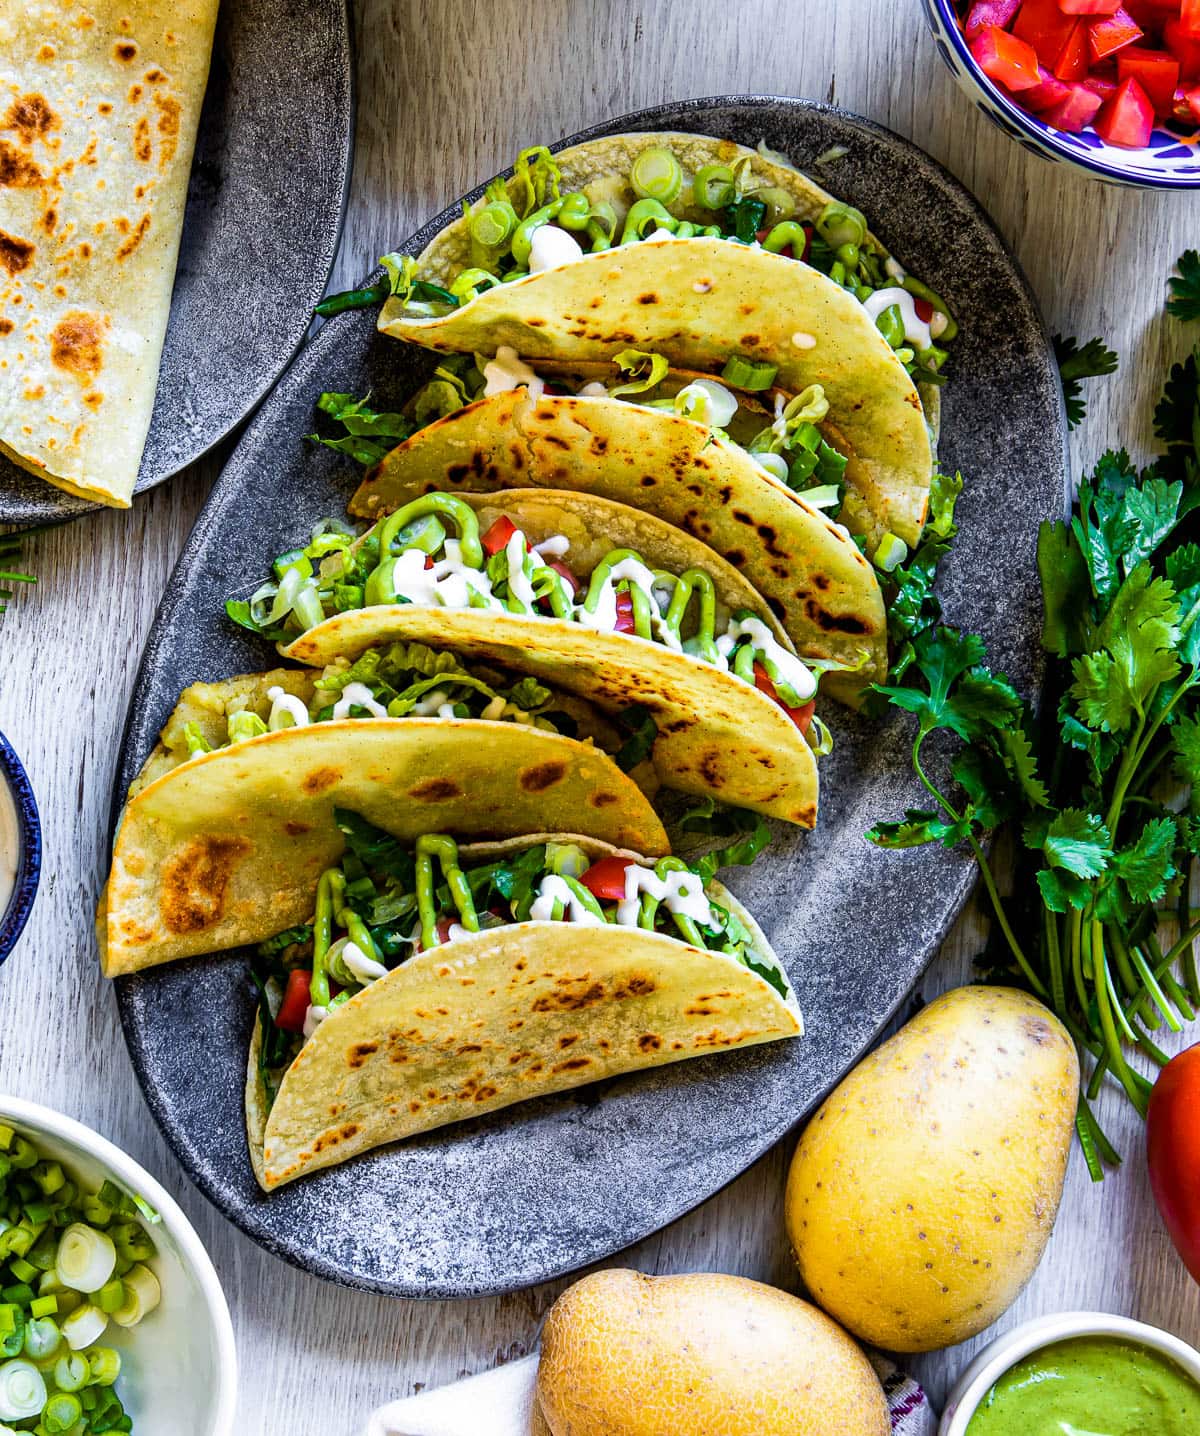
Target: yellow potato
[631, 1355]
[924, 1190]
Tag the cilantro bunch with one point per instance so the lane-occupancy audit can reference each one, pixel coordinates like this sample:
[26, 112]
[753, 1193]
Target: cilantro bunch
[1101, 786]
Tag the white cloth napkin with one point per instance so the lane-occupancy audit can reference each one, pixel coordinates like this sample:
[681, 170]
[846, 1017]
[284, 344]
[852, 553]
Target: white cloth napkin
[498, 1403]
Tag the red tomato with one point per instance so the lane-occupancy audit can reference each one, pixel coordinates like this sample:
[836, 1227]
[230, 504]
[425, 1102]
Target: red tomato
[1051, 91]
[1088, 7]
[560, 568]
[1004, 58]
[1189, 19]
[1128, 118]
[1102, 86]
[808, 234]
[606, 879]
[924, 309]
[1077, 110]
[990, 12]
[1043, 25]
[1072, 62]
[801, 716]
[1112, 33]
[1185, 49]
[499, 534]
[1155, 70]
[296, 997]
[624, 622]
[1173, 1153]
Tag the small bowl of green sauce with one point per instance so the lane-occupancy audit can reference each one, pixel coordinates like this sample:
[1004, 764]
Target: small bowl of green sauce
[1078, 1374]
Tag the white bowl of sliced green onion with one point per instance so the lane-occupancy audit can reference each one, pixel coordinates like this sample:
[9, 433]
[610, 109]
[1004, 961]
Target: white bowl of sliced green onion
[111, 1315]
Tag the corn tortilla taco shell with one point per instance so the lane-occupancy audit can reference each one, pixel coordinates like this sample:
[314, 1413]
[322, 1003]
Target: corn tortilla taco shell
[503, 1016]
[716, 734]
[698, 301]
[227, 848]
[98, 117]
[815, 580]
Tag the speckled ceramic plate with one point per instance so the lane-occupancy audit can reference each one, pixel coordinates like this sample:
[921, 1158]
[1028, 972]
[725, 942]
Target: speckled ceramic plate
[264, 216]
[545, 1188]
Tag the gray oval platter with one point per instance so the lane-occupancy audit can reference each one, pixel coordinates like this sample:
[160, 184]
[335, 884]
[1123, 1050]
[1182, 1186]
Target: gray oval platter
[264, 216]
[545, 1188]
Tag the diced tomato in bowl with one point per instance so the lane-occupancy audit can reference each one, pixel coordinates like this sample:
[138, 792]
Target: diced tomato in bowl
[1127, 70]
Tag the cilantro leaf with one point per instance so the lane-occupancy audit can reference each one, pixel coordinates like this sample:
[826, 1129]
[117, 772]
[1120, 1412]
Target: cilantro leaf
[1075, 363]
[1061, 891]
[1073, 840]
[1145, 866]
[917, 827]
[1184, 302]
[1134, 653]
[1185, 749]
[983, 778]
[1016, 752]
[1177, 420]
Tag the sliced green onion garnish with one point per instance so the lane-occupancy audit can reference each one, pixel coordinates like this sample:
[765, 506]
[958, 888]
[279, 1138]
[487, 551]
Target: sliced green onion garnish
[22, 1391]
[775, 465]
[62, 1412]
[657, 174]
[891, 553]
[751, 374]
[104, 1365]
[84, 1327]
[713, 187]
[86, 1258]
[823, 496]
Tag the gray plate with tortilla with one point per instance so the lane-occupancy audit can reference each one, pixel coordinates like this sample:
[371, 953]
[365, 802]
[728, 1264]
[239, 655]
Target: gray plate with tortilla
[264, 216]
[548, 1187]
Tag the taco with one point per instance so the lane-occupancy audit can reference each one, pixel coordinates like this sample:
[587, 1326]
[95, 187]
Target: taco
[753, 474]
[591, 596]
[711, 255]
[404, 680]
[225, 848]
[438, 983]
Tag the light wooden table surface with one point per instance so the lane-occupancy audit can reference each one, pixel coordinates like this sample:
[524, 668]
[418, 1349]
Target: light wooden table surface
[447, 94]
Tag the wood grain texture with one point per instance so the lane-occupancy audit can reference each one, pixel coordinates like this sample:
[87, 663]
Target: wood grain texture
[447, 94]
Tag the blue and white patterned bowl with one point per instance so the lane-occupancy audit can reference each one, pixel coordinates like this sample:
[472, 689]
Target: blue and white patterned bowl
[1165, 163]
[28, 857]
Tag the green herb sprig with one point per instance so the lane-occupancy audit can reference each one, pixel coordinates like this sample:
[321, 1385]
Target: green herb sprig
[10, 548]
[1078, 362]
[1102, 786]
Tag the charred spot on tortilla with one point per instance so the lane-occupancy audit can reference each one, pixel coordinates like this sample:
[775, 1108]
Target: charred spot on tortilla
[6, 326]
[542, 776]
[319, 780]
[125, 50]
[331, 1139]
[135, 238]
[603, 799]
[648, 481]
[16, 255]
[649, 1042]
[436, 790]
[359, 1053]
[142, 146]
[194, 883]
[77, 344]
[776, 607]
[17, 170]
[569, 1001]
[833, 622]
[31, 117]
[293, 829]
[647, 298]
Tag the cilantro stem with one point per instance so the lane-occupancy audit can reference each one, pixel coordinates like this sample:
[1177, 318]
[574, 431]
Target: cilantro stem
[1125, 776]
[1076, 942]
[985, 873]
[1105, 1003]
[1096, 1146]
[1058, 987]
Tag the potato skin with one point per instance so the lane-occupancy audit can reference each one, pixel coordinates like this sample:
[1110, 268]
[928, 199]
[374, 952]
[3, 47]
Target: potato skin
[923, 1192]
[631, 1355]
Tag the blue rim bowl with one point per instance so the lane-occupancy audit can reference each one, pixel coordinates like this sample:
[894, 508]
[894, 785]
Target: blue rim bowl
[1166, 163]
[29, 853]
